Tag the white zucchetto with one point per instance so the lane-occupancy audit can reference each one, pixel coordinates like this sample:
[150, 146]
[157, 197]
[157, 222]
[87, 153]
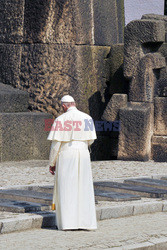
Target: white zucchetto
[67, 98]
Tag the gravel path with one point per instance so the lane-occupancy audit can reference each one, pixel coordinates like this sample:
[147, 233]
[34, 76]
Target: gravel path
[36, 172]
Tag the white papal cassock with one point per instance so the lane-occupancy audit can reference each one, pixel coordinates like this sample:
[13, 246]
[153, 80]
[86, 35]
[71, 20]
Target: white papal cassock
[71, 134]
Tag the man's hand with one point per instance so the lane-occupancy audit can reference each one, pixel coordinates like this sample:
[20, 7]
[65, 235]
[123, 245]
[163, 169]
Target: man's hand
[52, 170]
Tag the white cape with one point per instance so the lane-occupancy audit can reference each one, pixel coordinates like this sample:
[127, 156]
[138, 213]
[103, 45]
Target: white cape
[73, 125]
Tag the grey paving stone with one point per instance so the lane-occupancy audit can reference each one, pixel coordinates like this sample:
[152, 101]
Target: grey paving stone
[148, 182]
[126, 188]
[25, 195]
[21, 206]
[114, 196]
[147, 208]
[116, 212]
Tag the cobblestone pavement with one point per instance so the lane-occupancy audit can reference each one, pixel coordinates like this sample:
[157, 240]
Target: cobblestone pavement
[36, 172]
[123, 232]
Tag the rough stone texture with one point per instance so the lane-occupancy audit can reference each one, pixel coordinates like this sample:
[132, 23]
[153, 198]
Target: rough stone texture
[102, 148]
[159, 148]
[40, 51]
[19, 137]
[117, 101]
[62, 21]
[157, 17]
[10, 58]
[160, 119]
[108, 21]
[116, 211]
[47, 72]
[12, 21]
[114, 64]
[12, 100]
[161, 87]
[139, 35]
[135, 133]
[50, 71]
[144, 79]
[151, 207]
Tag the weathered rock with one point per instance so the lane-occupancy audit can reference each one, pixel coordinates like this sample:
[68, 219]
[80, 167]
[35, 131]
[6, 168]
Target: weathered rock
[114, 64]
[77, 21]
[12, 100]
[161, 87]
[160, 118]
[144, 79]
[62, 21]
[50, 71]
[10, 57]
[159, 148]
[157, 17]
[108, 21]
[135, 134]
[117, 101]
[12, 21]
[102, 149]
[139, 36]
[19, 137]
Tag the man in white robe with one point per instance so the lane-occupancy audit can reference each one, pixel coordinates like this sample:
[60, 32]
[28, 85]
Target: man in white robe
[71, 134]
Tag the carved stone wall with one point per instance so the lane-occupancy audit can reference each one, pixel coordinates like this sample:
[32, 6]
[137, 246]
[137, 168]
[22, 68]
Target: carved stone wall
[143, 133]
[53, 47]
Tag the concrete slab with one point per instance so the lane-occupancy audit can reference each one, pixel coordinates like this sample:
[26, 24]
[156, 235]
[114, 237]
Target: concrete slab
[148, 182]
[114, 196]
[21, 206]
[126, 188]
[25, 195]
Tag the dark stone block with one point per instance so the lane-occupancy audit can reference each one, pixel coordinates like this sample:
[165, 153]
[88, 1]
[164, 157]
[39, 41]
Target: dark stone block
[160, 116]
[114, 63]
[161, 88]
[10, 56]
[108, 22]
[159, 148]
[19, 137]
[157, 17]
[12, 100]
[116, 102]
[135, 132]
[102, 148]
[137, 34]
[12, 21]
[142, 86]
[41, 145]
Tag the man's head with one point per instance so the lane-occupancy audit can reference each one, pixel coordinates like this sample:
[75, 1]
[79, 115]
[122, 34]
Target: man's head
[67, 101]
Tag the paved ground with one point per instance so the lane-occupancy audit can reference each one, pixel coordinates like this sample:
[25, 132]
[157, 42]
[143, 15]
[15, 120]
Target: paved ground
[133, 232]
[36, 172]
[122, 233]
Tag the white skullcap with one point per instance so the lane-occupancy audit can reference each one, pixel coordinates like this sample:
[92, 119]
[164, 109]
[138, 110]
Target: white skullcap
[67, 98]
